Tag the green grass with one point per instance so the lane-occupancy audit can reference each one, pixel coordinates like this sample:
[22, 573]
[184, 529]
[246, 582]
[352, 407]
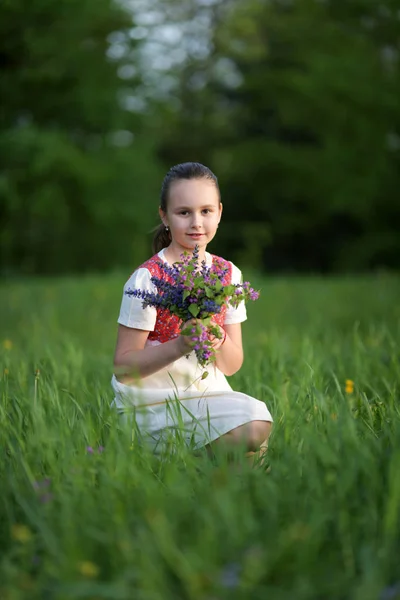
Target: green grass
[121, 524]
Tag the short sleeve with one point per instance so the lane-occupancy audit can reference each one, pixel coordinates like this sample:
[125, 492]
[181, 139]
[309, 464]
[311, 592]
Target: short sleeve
[236, 315]
[132, 314]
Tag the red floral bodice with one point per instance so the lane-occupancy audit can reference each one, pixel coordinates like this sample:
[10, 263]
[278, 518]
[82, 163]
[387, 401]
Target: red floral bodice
[167, 325]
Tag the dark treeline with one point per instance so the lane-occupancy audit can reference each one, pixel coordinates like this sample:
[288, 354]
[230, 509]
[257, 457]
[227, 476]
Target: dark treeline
[294, 105]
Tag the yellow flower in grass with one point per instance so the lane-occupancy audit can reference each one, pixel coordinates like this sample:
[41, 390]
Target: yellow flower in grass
[21, 533]
[88, 569]
[6, 371]
[349, 386]
[7, 344]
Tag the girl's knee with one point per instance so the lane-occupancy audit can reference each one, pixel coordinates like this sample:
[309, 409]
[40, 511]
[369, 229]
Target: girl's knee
[259, 434]
[253, 434]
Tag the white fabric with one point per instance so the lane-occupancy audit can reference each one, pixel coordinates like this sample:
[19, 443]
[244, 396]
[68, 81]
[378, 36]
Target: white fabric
[236, 315]
[132, 314]
[207, 408]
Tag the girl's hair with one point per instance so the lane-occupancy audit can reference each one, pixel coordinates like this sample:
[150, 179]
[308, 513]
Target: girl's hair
[188, 170]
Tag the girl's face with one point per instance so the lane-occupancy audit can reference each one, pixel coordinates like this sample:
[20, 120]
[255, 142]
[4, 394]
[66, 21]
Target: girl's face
[193, 213]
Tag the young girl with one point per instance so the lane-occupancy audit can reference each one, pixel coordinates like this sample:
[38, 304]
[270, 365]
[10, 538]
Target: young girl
[157, 375]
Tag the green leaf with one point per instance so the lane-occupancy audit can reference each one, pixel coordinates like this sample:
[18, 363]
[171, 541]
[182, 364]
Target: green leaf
[194, 310]
[199, 282]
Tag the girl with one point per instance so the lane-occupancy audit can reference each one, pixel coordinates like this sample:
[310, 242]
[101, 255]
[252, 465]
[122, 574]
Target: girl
[154, 364]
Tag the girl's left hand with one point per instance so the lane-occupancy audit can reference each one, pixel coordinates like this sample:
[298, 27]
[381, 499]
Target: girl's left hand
[215, 341]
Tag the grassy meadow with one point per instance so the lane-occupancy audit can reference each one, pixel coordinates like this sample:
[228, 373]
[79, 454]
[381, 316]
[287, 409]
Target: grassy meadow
[87, 513]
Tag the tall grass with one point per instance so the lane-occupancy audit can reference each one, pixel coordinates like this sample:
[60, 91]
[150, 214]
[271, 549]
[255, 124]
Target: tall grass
[85, 512]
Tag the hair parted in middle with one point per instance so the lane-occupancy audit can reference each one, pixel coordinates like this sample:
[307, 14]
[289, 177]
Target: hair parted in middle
[187, 170]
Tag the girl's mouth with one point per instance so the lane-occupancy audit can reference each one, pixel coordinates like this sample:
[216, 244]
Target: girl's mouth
[195, 235]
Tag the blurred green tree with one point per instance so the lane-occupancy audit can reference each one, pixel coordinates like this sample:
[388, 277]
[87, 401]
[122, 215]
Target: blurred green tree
[296, 108]
[293, 104]
[77, 167]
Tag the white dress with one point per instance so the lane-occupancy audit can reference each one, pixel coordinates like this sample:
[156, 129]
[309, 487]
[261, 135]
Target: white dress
[176, 401]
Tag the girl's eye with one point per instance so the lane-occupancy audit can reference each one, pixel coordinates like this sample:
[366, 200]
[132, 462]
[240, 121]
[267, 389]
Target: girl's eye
[186, 212]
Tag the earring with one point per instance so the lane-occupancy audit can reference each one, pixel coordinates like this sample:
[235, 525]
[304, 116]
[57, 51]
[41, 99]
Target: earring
[166, 228]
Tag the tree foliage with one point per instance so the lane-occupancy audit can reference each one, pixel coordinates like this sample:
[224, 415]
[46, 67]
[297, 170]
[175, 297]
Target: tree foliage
[71, 178]
[294, 105]
[303, 129]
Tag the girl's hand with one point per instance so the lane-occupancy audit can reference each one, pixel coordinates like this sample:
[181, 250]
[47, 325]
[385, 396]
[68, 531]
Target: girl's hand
[185, 341]
[217, 342]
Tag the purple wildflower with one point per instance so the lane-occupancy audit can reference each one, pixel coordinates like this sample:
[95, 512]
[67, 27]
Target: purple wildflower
[391, 593]
[44, 483]
[45, 498]
[211, 306]
[90, 449]
[230, 575]
[42, 490]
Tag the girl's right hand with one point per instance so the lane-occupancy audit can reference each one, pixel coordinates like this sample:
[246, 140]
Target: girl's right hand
[185, 341]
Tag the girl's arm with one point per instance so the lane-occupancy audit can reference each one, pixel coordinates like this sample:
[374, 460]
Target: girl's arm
[230, 353]
[132, 360]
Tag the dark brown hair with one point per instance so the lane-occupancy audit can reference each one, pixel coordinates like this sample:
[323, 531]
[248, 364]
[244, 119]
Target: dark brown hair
[188, 170]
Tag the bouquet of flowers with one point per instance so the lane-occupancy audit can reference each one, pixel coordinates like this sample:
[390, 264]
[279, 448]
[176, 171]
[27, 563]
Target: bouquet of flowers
[194, 292]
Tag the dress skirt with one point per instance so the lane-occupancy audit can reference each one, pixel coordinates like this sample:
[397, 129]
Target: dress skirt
[177, 403]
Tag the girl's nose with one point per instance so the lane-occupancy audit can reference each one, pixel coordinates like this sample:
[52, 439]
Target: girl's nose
[196, 222]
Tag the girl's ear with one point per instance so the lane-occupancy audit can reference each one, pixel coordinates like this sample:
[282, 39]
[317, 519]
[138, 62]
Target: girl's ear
[163, 216]
[220, 211]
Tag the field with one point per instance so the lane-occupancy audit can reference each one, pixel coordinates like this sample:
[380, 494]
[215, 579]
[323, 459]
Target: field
[86, 513]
